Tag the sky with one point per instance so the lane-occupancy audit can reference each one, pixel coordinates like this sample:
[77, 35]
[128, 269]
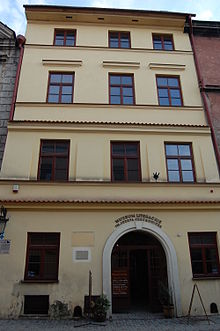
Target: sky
[12, 11]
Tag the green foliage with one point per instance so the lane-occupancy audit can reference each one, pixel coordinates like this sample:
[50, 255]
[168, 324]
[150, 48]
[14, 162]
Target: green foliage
[102, 304]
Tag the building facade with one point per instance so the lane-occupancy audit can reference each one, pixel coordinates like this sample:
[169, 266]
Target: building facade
[9, 59]
[109, 166]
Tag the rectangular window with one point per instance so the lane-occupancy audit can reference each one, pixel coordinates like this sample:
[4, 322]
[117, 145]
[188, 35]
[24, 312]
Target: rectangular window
[163, 42]
[169, 91]
[54, 160]
[64, 37]
[119, 39]
[60, 87]
[204, 254]
[125, 158]
[180, 167]
[42, 256]
[121, 89]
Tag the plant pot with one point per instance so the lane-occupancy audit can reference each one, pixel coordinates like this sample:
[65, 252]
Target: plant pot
[100, 316]
[168, 311]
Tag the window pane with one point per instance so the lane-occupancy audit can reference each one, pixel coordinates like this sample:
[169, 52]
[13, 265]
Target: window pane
[67, 90]
[46, 168]
[210, 254]
[118, 169]
[53, 98]
[54, 89]
[197, 267]
[115, 80]
[184, 150]
[47, 147]
[196, 254]
[175, 93]
[114, 43]
[125, 44]
[172, 165]
[55, 78]
[118, 149]
[186, 164]
[50, 264]
[168, 46]
[173, 176]
[176, 102]
[195, 239]
[131, 149]
[187, 176]
[128, 101]
[209, 238]
[115, 100]
[163, 92]
[157, 45]
[173, 82]
[66, 78]
[171, 150]
[212, 268]
[61, 163]
[164, 101]
[59, 42]
[161, 81]
[115, 90]
[127, 91]
[34, 263]
[66, 98]
[132, 167]
[126, 80]
[62, 148]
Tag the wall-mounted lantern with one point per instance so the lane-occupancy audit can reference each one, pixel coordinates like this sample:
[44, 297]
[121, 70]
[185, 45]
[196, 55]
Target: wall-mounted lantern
[3, 221]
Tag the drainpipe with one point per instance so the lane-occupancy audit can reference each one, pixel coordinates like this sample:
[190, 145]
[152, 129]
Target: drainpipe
[204, 97]
[20, 41]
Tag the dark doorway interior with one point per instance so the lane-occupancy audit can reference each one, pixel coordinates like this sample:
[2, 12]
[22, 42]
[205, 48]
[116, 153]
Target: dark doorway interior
[139, 294]
[138, 266]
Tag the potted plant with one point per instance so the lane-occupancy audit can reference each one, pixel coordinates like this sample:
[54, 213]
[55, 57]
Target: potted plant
[165, 297]
[100, 309]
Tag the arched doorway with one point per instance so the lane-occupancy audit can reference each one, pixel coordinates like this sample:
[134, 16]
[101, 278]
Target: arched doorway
[138, 265]
[134, 223]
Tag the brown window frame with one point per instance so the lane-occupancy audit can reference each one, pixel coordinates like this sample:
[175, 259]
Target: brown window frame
[121, 86]
[119, 39]
[125, 158]
[179, 158]
[53, 156]
[162, 36]
[60, 85]
[42, 248]
[65, 31]
[169, 88]
[203, 247]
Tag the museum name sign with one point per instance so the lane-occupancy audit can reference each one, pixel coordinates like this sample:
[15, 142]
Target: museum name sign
[138, 218]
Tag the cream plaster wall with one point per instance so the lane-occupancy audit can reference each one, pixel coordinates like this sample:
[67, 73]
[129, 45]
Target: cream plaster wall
[92, 70]
[97, 34]
[90, 152]
[73, 278]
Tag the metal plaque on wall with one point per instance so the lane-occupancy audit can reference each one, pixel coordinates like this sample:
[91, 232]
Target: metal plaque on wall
[5, 246]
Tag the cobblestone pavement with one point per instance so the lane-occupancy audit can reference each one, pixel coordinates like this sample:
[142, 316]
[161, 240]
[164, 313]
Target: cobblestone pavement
[121, 322]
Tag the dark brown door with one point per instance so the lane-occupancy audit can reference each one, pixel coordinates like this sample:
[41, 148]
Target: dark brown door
[136, 272]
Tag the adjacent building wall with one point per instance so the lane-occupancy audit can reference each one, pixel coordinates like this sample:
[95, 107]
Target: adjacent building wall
[9, 57]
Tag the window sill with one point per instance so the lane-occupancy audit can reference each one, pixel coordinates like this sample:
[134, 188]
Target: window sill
[31, 281]
[206, 277]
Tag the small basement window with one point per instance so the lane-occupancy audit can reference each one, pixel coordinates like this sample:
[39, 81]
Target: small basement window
[36, 304]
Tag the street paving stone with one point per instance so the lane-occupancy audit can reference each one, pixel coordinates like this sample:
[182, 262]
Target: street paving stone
[121, 322]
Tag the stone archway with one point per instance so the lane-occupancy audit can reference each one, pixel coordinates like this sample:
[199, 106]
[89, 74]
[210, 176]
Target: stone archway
[134, 223]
